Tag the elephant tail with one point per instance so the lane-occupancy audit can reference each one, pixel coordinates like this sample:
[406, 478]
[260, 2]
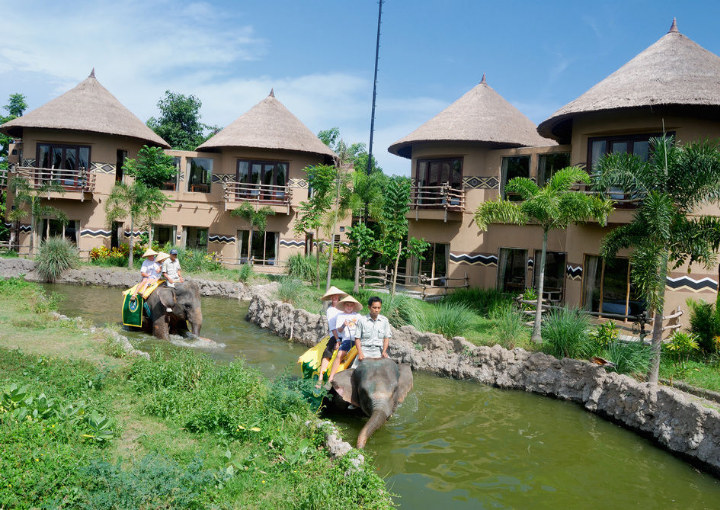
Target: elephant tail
[377, 420]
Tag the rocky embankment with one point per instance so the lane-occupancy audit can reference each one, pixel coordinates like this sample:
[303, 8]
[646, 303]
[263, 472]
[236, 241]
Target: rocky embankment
[664, 414]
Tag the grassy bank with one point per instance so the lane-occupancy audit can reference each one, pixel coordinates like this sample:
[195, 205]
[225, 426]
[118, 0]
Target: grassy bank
[80, 428]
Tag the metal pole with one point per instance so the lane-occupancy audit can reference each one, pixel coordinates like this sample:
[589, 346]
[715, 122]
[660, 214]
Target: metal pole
[372, 115]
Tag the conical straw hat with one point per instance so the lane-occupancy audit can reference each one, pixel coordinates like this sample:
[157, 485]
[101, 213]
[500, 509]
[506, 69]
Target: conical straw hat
[333, 291]
[149, 252]
[350, 299]
[161, 256]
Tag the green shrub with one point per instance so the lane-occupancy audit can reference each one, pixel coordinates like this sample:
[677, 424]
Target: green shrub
[510, 326]
[681, 346]
[245, 273]
[705, 323]
[565, 333]
[629, 357]
[483, 301]
[343, 265]
[447, 319]
[303, 267]
[290, 289]
[196, 261]
[55, 256]
[604, 335]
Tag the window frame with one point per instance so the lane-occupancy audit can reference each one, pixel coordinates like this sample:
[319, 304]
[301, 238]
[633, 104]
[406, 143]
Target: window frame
[242, 247]
[504, 177]
[613, 139]
[268, 196]
[190, 185]
[542, 179]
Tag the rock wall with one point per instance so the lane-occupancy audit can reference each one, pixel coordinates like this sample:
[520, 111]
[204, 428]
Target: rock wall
[664, 414]
[114, 277]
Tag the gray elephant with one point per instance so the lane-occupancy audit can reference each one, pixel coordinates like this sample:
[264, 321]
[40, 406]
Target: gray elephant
[184, 303]
[376, 386]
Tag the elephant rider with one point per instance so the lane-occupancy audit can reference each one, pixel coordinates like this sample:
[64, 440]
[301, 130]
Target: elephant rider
[171, 269]
[345, 325]
[373, 334]
[150, 272]
[333, 295]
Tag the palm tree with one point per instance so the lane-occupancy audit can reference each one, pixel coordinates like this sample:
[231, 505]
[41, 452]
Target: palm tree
[257, 218]
[26, 194]
[552, 207]
[670, 186]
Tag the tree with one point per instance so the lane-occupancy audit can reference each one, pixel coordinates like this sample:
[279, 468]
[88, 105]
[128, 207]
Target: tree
[27, 195]
[179, 122]
[138, 202]
[152, 167]
[16, 107]
[670, 187]
[552, 207]
[257, 218]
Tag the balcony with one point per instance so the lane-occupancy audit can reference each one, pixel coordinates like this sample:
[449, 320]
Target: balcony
[3, 178]
[77, 184]
[441, 202]
[278, 198]
[624, 203]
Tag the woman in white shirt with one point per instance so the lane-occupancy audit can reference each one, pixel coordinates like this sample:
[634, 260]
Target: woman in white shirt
[333, 295]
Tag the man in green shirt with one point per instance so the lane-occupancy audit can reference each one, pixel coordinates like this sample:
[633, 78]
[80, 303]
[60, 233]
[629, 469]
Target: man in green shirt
[373, 334]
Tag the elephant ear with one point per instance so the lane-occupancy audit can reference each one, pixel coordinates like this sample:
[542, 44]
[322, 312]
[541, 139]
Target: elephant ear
[405, 382]
[167, 297]
[342, 384]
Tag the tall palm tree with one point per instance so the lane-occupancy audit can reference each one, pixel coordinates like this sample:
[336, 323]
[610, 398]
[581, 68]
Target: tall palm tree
[552, 207]
[670, 186]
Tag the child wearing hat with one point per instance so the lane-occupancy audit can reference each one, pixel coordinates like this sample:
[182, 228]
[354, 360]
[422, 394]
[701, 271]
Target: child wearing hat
[150, 271]
[345, 324]
[333, 295]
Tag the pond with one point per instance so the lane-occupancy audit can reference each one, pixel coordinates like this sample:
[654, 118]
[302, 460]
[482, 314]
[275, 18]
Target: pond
[461, 445]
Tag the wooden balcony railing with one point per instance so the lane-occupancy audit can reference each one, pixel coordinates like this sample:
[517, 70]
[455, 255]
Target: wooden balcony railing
[443, 196]
[78, 181]
[262, 194]
[3, 178]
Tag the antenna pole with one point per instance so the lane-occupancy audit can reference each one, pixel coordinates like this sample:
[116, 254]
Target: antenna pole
[374, 96]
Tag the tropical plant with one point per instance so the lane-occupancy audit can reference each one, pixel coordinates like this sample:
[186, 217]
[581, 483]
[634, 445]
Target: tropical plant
[289, 290]
[669, 187]
[399, 309]
[552, 207]
[256, 218]
[629, 357]
[55, 256]
[484, 301]
[565, 333]
[447, 319]
[302, 267]
[605, 334]
[509, 325]
[245, 273]
[705, 324]
[30, 196]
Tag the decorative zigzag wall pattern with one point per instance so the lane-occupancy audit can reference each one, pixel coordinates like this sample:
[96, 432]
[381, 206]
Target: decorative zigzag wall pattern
[574, 272]
[222, 239]
[292, 243]
[95, 233]
[474, 259]
[686, 283]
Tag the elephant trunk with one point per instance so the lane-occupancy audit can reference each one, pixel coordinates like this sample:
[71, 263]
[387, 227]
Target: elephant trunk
[377, 419]
[195, 321]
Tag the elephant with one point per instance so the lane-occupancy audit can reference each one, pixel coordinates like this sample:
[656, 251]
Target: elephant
[184, 300]
[376, 386]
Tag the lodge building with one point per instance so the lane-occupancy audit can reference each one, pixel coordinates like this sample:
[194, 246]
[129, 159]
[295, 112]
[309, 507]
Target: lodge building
[467, 153]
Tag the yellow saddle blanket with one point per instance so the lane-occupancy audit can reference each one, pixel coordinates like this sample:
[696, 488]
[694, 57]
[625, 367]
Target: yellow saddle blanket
[311, 360]
[148, 290]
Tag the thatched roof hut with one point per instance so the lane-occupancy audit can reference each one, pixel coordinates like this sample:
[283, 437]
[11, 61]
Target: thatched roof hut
[673, 72]
[87, 107]
[480, 116]
[268, 125]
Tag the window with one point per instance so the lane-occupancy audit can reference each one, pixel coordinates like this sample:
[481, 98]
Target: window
[55, 228]
[263, 250]
[432, 174]
[172, 184]
[514, 166]
[199, 174]
[435, 263]
[164, 234]
[120, 158]
[512, 270]
[197, 238]
[630, 144]
[265, 180]
[554, 274]
[70, 163]
[607, 287]
[548, 164]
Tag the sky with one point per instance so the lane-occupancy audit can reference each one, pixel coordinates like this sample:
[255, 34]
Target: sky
[318, 55]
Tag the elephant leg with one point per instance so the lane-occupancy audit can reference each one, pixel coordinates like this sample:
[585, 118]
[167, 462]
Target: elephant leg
[160, 328]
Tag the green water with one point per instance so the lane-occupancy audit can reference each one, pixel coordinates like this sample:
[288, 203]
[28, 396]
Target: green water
[461, 445]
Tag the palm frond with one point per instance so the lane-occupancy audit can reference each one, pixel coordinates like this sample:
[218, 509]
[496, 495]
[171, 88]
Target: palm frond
[566, 178]
[523, 187]
[499, 211]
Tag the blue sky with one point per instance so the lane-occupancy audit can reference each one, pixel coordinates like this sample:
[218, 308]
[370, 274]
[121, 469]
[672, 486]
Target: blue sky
[318, 55]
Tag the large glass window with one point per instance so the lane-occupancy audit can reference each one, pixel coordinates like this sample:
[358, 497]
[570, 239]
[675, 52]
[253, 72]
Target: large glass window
[164, 234]
[56, 228]
[630, 144]
[436, 172]
[607, 287]
[197, 238]
[435, 263]
[265, 180]
[199, 171]
[554, 274]
[513, 166]
[264, 247]
[66, 157]
[548, 164]
[512, 270]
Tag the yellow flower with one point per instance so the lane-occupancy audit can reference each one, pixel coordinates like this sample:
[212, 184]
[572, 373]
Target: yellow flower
[255, 429]
[37, 460]
[263, 481]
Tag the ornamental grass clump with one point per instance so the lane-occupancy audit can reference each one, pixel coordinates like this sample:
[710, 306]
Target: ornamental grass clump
[565, 333]
[483, 301]
[449, 320]
[399, 309]
[56, 255]
[629, 357]
[290, 290]
[509, 326]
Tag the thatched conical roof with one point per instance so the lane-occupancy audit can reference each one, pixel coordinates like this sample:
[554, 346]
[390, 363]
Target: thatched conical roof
[268, 125]
[87, 107]
[675, 71]
[482, 116]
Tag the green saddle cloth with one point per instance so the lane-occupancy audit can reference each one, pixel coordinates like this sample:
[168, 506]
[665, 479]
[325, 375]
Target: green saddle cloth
[132, 311]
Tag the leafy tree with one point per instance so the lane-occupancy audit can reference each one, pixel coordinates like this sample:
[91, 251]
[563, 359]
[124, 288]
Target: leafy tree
[179, 122]
[553, 207]
[152, 167]
[28, 202]
[16, 105]
[257, 218]
[137, 202]
[670, 187]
